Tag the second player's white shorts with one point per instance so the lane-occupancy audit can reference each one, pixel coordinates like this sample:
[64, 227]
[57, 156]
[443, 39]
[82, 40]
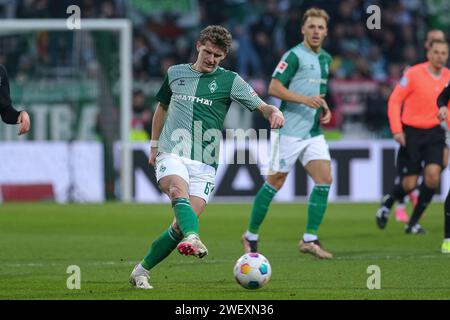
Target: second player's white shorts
[285, 151]
[199, 176]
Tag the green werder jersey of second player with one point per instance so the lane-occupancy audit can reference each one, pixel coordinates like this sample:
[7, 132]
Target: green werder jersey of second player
[304, 72]
[197, 105]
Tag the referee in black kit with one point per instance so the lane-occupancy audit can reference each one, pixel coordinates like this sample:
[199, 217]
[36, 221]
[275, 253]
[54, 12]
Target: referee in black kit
[442, 103]
[7, 112]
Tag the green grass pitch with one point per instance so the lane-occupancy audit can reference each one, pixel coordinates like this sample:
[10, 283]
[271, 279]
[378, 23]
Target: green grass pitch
[39, 241]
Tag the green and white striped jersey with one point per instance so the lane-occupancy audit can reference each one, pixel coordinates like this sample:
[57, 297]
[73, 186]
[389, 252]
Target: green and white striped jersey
[197, 105]
[304, 72]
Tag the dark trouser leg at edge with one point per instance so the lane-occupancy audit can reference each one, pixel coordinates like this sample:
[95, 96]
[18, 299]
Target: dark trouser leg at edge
[446, 244]
[447, 217]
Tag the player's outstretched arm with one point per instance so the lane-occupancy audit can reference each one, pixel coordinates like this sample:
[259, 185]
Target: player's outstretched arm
[277, 89]
[157, 125]
[272, 114]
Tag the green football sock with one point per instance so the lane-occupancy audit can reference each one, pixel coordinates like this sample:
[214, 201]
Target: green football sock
[261, 206]
[317, 205]
[186, 218]
[161, 248]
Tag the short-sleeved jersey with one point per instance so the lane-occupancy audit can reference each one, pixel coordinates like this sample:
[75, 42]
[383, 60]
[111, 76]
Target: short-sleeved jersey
[197, 106]
[413, 101]
[304, 72]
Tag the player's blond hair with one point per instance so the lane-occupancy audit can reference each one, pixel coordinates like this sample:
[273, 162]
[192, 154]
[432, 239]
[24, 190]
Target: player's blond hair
[317, 13]
[218, 36]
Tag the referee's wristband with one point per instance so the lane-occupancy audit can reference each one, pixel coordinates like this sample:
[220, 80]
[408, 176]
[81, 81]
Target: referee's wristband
[154, 143]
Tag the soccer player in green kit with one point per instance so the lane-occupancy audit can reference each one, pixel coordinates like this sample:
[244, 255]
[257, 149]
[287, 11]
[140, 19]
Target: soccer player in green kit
[186, 130]
[300, 81]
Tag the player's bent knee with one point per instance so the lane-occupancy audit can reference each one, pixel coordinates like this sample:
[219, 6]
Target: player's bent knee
[175, 192]
[432, 176]
[327, 180]
[323, 180]
[278, 184]
[277, 180]
[409, 187]
[432, 181]
[409, 184]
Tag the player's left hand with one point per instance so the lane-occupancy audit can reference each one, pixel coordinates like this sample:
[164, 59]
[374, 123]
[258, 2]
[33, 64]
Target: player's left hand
[276, 119]
[326, 114]
[443, 114]
[24, 121]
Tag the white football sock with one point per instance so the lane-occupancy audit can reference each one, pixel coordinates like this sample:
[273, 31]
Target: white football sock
[251, 236]
[140, 269]
[308, 237]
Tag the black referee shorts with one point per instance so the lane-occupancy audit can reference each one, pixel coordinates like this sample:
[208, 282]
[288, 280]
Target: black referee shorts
[423, 147]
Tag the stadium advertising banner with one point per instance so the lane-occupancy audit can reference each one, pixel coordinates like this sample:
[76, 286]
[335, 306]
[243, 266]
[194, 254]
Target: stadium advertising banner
[57, 171]
[362, 171]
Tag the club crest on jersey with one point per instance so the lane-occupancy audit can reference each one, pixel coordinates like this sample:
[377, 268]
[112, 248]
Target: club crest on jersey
[282, 65]
[213, 86]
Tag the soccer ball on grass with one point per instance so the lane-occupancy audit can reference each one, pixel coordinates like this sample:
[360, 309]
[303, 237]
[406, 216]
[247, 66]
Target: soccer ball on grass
[252, 271]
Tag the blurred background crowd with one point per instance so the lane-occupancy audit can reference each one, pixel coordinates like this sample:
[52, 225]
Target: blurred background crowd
[367, 63]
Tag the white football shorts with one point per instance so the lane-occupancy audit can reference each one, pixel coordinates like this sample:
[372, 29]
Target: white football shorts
[199, 176]
[285, 151]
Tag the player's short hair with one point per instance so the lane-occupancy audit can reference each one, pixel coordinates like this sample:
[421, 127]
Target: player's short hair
[437, 35]
[439, 41]
[431, 31]
[316, 12]
[218, 36]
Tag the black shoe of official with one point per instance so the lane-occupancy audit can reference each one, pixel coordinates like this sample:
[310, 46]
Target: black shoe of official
[415, 229]
[381, 217]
